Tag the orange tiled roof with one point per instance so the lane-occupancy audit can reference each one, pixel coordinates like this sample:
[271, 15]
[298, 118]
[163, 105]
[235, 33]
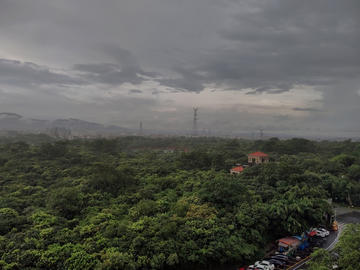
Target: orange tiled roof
[288, 240]
[258, 154]
[238, 168]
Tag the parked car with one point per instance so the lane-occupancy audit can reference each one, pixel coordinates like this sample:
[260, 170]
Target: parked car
[283, 258]
[324, 231]
[267, 264]
[320, 233]
[253, 267]
[258, 267]
[277, 263]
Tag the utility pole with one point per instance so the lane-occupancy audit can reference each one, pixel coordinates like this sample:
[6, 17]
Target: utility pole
[140, 128]
[195, 130]
[261, 134]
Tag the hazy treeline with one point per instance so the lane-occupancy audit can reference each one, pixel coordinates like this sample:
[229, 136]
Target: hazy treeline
[126, 204]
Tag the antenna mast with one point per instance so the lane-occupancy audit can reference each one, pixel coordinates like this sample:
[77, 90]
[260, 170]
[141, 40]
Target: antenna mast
[261, 134]
[195, 130]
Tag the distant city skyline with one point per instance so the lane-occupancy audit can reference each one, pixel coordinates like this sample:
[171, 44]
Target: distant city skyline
[11, 123]
[288, 66]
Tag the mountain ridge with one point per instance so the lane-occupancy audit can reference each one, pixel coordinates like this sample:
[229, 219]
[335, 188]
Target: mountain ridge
[13, 121]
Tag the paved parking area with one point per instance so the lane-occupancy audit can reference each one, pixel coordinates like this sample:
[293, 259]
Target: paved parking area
[332, 239]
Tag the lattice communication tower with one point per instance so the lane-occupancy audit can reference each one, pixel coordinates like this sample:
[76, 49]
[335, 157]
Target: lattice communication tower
[195, 129]
[261, 134]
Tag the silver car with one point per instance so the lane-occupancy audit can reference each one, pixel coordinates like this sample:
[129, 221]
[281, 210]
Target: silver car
[266, 264]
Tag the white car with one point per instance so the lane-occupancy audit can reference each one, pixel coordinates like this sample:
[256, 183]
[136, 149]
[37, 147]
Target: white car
[320, 233]
[324, 231]
[258, 267]
[267, 265]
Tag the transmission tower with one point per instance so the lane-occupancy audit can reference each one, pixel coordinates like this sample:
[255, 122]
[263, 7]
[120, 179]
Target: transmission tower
[140, 128]
[261, 134]
[195, 130]
[56, 133]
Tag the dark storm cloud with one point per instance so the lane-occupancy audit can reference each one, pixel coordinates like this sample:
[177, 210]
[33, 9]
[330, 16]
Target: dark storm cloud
[190, 80]
[278, 44]
[269, 90]
[259, 90]
[126, 60]
[109, 74]
[182, 84]
[135, 91]
[28, 74]
[307, 109]
[156, 92]
[232, 44]
[126, 71]
[279, 89]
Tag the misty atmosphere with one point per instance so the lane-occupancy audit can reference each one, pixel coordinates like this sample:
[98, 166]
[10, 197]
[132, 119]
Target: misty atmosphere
[287, 67]
[163, 134]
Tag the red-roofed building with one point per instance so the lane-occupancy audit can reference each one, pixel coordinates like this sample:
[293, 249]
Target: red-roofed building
[236, 170]
[288, 244]
[258, 157]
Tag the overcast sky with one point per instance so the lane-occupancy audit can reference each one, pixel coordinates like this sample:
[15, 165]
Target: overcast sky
[286, 66]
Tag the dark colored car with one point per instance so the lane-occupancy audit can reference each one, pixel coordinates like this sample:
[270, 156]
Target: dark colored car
[277, 263]
[281, 257]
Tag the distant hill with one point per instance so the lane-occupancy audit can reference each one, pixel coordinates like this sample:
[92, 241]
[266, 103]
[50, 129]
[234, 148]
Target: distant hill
[13, 121]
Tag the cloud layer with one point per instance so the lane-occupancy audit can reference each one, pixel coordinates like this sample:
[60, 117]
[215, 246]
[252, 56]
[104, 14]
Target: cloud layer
[121, 63]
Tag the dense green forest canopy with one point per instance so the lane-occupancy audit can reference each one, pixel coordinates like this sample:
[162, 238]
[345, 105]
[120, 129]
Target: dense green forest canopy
[128, 204]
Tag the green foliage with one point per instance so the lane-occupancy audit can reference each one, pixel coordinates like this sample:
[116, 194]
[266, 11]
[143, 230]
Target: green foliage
[349, 247]
[125, 204]
[8, 218]
[112, 147]
[321, 260]
[56, 150]
[224, 190]
[67, 201]
[108, 178]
